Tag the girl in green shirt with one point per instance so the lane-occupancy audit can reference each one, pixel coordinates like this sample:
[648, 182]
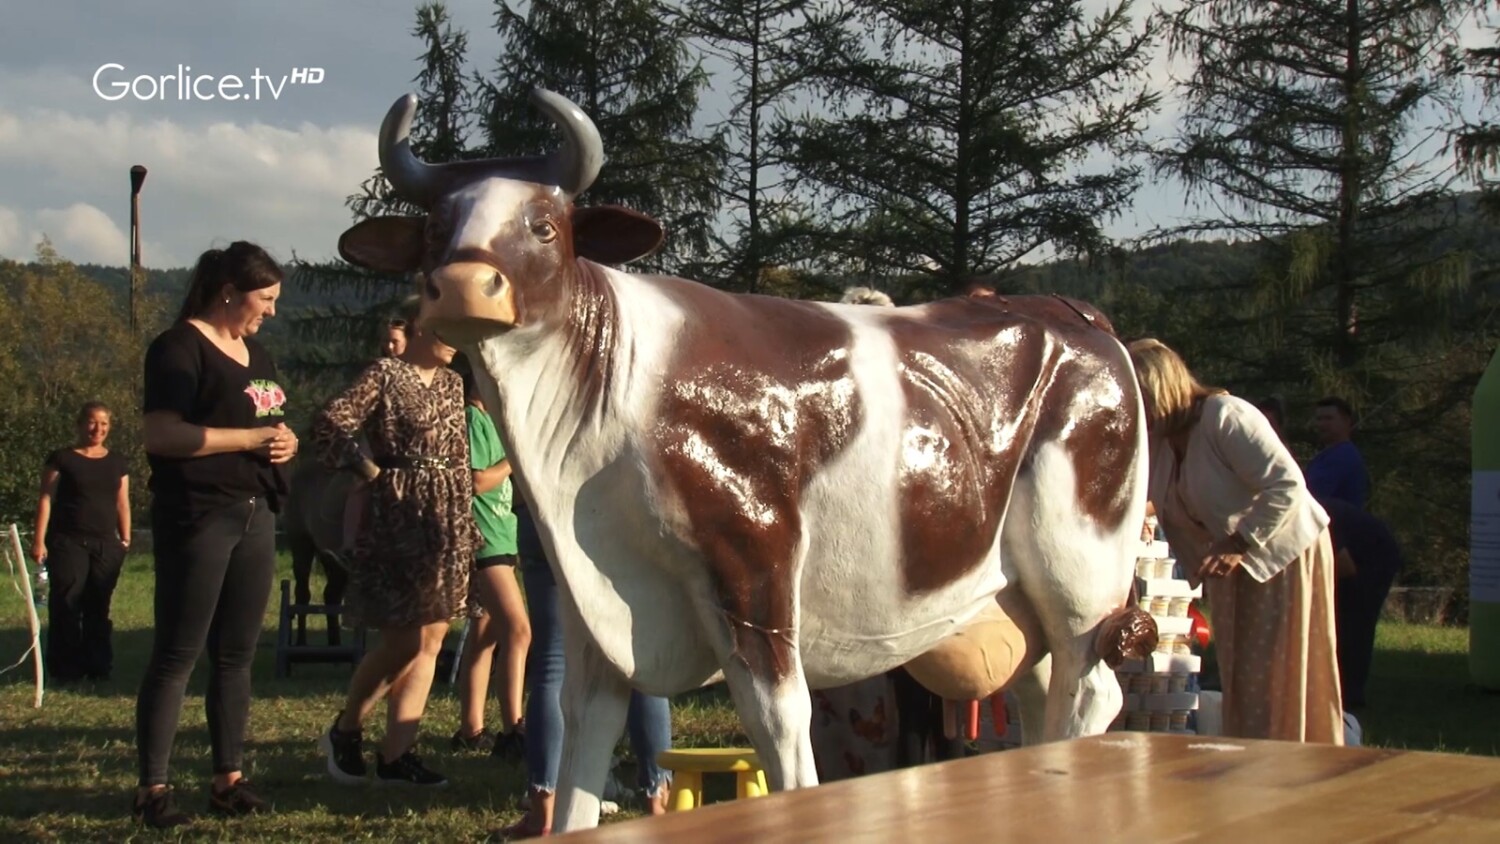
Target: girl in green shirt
[503, 629]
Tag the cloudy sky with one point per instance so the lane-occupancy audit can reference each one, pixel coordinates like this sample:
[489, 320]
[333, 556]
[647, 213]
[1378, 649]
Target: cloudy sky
[271, 161]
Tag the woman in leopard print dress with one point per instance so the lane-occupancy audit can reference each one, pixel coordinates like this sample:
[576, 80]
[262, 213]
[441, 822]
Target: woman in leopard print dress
[409, 568]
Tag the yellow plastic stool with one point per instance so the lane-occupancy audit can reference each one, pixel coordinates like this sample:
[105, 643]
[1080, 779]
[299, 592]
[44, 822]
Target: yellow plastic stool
[688, 766]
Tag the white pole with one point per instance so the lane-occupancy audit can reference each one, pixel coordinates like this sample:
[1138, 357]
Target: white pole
[31, 618]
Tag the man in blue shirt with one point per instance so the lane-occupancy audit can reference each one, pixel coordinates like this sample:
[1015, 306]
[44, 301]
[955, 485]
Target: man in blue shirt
[1338, 471]
[1368, 558]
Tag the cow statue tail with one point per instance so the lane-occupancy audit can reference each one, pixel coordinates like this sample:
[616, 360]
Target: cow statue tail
[1127, 633]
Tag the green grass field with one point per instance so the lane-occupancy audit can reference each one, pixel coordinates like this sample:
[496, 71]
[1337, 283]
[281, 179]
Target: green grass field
[67, 769]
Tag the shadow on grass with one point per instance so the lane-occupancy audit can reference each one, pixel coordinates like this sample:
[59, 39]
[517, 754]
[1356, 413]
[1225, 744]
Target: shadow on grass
[132, 651]
[1424, 700]
[88, 772]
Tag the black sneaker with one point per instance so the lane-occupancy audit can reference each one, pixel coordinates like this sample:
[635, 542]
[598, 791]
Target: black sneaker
[159, 810]
[345, 753]
[237, 800]
[480, 742]
[407, 769]
[511, 744]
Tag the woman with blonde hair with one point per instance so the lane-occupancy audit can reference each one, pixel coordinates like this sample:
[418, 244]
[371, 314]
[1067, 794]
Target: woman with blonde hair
[1236, 509]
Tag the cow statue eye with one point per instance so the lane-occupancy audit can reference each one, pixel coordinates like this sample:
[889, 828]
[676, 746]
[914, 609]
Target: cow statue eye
[544, 230]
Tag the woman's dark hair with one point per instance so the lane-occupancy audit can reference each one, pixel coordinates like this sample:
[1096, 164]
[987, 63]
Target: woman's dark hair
[88, 409]
[243, 266]
[465, 370]
[1273, 406]
[407, 311]
[1341, 406]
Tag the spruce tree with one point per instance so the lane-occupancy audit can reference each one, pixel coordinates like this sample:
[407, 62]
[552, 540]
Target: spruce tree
[957, 138]
[626, 64]
[1308, 126]
[770, 50]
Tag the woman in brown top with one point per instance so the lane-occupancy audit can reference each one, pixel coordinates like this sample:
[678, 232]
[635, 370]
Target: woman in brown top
[409, 568]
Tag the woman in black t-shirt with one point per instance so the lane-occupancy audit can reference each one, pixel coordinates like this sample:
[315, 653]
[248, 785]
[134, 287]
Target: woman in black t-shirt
[216, 444]
[82, 531]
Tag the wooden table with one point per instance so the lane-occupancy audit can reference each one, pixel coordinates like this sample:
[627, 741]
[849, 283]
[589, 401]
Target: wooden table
[1122, 787]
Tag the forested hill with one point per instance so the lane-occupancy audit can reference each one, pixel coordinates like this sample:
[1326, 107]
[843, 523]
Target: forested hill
[170, 284]
[1165, 268]
[1185, 265]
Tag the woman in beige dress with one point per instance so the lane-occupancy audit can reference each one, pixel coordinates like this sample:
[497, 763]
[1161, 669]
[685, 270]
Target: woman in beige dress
[1236, 510]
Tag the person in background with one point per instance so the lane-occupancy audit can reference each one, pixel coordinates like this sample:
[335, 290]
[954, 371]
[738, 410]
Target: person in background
[1236, 510]
[82, 534]
[978, 288]
[1274, 409]
[503, 629]
[648, 722]
[1368, 557]
[409, 568]
[216, 443]
[866, 296]
[394, 342]
[1338, 469]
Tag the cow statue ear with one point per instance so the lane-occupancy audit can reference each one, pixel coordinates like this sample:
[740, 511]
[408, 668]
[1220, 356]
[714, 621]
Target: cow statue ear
[612, 234]
[385, 244]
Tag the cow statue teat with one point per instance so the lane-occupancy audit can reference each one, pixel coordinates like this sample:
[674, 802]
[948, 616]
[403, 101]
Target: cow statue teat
[781, 494]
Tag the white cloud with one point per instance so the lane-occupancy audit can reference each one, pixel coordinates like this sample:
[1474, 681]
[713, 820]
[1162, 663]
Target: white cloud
[210, 183]
[12, 241]
[84, 234]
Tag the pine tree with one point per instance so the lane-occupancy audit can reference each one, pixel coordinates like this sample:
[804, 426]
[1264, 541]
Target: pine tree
[964, 136]
[335, 341]
[1304, 127]
[771, 49]
[1478, 143]
[1311, 131]
[626, 65]
[445, 122]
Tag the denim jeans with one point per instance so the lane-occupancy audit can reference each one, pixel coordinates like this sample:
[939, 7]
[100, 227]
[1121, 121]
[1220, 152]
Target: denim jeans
[649, 723]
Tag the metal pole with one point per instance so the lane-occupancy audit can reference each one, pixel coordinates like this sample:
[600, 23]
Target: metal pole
[137, 178]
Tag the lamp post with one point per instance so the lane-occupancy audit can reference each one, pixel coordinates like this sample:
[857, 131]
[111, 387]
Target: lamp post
[137, 178]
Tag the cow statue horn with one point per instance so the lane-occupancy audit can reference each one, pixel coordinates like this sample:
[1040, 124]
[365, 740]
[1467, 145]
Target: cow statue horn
[576, 165]
[572, 168]
[413, 179]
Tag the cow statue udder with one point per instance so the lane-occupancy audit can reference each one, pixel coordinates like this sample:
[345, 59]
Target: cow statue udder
[783, 494]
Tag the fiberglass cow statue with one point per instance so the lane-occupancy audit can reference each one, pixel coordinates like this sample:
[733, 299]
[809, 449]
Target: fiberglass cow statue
[783, 494]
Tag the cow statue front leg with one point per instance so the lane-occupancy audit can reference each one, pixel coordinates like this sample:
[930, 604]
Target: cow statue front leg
[595, 699]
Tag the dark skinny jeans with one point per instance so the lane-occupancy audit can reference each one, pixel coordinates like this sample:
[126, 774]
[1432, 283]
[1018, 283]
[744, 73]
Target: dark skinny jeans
[213, 579]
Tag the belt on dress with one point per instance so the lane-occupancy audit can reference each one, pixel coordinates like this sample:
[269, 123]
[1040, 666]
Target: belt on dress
[415, 461]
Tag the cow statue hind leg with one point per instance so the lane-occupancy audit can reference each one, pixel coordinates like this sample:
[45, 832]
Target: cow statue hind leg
[1075, 571]
[763, 669]
[1030, 690]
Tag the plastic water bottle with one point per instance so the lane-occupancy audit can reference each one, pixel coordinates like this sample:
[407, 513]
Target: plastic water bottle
[39, 592]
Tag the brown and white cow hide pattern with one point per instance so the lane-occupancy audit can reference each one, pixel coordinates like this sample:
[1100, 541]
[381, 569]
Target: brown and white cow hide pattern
[622, 469]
